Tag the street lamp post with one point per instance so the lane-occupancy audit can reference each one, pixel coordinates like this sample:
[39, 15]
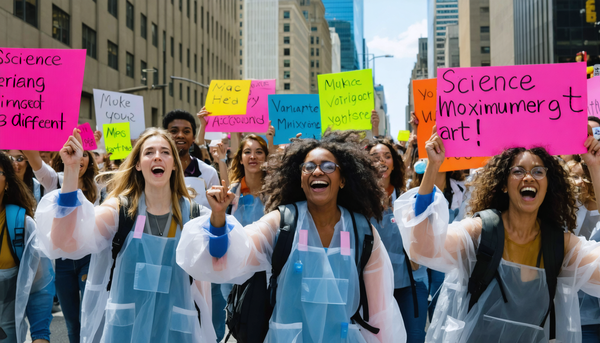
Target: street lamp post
[373, 59]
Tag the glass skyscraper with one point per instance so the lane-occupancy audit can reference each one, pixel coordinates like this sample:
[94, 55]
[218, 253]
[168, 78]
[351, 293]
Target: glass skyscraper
[346, 16]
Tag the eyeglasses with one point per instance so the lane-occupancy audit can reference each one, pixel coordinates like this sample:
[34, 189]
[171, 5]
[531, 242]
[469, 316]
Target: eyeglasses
[537, 173]
[19, 158]
[2, 173]
[326, 167]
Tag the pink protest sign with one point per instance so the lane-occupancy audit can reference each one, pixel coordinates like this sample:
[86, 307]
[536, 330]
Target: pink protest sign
[593, 93]
[256, 118]
[483, 110]
[87, 137]
[40, 91]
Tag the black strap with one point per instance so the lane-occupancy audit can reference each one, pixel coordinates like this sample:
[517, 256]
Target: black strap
[553, 254]
[125, 225]
[283, 245]
[194, 209]
[413, 284]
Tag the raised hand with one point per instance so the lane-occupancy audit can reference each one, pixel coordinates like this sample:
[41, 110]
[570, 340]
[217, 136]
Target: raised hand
[201, 116]
[374, 118]
[219, 198]
[97, 136]
[270, 132]
[72, 152]
[592, 156]
[414, 121]
[435, 149]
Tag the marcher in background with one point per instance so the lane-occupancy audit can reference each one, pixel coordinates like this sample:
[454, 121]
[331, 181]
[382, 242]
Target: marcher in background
[25, 173]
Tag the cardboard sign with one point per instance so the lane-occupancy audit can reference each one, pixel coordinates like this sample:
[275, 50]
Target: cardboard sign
[227, 97]
[346, 100]
[40, 92]
[114, 107]
[593, 93]
[403, 135]
[117, 139]
[424, 93]
[87, 137]
[256, 118]
[295, 113]
[483, 110]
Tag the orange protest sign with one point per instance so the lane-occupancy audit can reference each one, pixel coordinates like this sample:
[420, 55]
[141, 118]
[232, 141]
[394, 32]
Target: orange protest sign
[424, 94]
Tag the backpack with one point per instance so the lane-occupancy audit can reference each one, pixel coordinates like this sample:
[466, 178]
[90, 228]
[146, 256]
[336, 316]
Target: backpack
[489, 254]
[15, 222]
[250, 305]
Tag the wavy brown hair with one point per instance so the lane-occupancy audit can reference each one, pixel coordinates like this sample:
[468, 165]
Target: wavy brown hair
[89, 183]
[16, 192]
[588, 194]
[559, 206]
[398, 175]
[361, 194]
[236, 171]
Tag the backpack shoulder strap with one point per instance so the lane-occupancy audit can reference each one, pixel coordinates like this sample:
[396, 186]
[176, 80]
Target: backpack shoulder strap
[364, 240]
[553, 247]
[194, 209]
[125, 225]
[283, 244]
[489, 254]
[15, 221]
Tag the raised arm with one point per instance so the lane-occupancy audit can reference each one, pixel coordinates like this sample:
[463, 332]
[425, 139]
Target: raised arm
[270, 139]
[374, 123]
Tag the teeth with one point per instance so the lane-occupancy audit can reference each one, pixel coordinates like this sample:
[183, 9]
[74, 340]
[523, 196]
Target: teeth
[158, 168]
[319, 183]
[531, 189]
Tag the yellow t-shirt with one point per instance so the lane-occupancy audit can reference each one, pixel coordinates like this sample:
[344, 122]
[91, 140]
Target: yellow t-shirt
[6, 259]
[525, 254]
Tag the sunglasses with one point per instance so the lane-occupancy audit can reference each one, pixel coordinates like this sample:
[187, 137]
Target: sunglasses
[326, 167]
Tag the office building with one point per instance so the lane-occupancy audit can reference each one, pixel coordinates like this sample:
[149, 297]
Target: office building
[474, 32]
[133, 45]
[381, 108]
[320, 41]
[336, 57]
[451, 47]
[346, 16]
[419, 72]
[440, 14]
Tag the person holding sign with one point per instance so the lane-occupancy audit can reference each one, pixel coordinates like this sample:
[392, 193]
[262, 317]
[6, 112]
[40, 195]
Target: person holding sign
[26, 277]
[142, 217]
[24, 172]
[512, 272]
[410, 291]
[326, 190]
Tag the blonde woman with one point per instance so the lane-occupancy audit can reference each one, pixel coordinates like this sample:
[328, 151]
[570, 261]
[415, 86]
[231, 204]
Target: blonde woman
[149, 297]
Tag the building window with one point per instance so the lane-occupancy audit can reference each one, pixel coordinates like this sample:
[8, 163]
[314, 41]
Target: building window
[241, 23]
[195, 11]
[180, 5]
[286, 63]
[312, 51]
[129, 65]
[155, 76]
[240, 33]
[484, 29]
[154, 35]
[113, 55]
[286, 40]
[241, 52]
[188, 58]
[486, 9]
[317, 51]
[195, 63]
[195, 97]
[485, 64]
[171, 88]
[144, 73]
[27, 11]
[202, 65]
[286, 52]
[286, 27]
[207, 22]
[201, 17]
[317, 62]
[286, 14]
[317, 39]
[312, 86]
[61, 26]
[188, 94]
[241, 62]
[286, 86]
[164, 45]
[286, 74]
[113, 6]
[180, 53]
[143, 29]
[312, 63]
[305, 14]
[485, 49]
[313, 29]
[439, 46]
[88, 40]
[172, 47]
[188, 10]
[129, 15]
[180, 91]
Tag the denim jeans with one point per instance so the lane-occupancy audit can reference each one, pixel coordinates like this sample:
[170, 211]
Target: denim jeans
[218, 311]
[71, 276]
[590, 333]
[436, 279]
[415, 327]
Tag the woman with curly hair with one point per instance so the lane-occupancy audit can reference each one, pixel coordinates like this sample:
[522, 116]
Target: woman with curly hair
[535, 200]
[332, 183]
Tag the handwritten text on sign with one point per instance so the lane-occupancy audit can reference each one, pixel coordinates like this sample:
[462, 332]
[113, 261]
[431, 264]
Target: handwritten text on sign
[114, 107]
[40, 91]
[88, 139]
[118, 140]
[295, 113]
[346, 100]
[483, 110]
[593, 93]
[256, 118]
[227, 97]
[424, 93]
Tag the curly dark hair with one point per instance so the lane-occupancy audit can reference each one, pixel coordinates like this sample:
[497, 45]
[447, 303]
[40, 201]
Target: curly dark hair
[16, 192]
[398, 175]
[179, 114]
[559, 206]
[362, 193]
[90, 190]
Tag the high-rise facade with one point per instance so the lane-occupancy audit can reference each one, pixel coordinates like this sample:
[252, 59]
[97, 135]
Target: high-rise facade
[419, 72]
[133, 45]
[474, 32]
[440, 14]
[346, 16]
[336, 57]
[320, 41]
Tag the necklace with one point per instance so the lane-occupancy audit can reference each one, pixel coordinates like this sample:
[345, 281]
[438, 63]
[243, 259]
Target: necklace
[160, 233]
[167, 224]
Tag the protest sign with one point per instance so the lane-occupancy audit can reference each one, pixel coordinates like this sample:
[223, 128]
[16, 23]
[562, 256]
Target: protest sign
[346, 100]
[483, 110]
[114, 107]
[87, 137]
[227, 97]
[593, 93]
[256, 118]
[117, 139]
[294, 113]
[424, 94]
[40, 93]
[403, 135]
[213, 135]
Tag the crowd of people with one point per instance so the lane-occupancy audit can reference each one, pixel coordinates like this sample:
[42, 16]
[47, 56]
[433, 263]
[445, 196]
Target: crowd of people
[350, 238]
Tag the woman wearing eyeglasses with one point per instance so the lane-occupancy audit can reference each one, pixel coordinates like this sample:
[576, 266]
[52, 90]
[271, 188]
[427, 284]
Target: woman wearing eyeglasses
[25, 173]
[332, 183]
[535, 201]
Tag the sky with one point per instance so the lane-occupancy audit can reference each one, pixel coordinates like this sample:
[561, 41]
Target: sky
[393, 27]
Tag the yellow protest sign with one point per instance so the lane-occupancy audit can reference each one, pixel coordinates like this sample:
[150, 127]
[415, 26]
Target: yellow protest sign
[117, 139]
[403, 135]
[346, 100]
[227, 97]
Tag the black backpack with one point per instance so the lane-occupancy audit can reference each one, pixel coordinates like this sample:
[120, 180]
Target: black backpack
[489, 254]
[250, 305]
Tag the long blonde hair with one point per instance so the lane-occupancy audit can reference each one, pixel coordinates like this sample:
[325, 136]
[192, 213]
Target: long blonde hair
[130, 183]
